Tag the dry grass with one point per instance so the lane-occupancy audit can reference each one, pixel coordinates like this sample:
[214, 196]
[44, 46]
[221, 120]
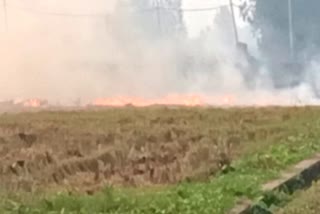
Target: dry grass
[86, 150]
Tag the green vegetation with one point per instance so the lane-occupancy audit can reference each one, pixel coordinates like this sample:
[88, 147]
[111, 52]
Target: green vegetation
[268, 141]
[270, 18]
[306, 202]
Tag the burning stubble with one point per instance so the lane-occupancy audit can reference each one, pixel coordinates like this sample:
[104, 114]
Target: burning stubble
[63, 57]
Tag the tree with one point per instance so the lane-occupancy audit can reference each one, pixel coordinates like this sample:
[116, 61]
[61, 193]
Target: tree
[270, 21]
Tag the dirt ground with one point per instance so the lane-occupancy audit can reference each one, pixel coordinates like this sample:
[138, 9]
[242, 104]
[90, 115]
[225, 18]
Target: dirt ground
[85, 150]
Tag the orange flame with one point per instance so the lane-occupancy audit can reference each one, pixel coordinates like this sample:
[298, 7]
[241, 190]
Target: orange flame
[190, 100]
[180, 100]
[35, 103]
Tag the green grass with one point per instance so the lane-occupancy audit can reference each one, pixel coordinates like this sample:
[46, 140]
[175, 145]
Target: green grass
[306, 202]
[261, 163]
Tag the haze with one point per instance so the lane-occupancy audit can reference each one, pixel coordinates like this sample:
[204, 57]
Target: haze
[64, 58]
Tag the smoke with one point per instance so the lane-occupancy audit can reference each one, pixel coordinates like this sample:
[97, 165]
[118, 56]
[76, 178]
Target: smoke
[62, 58]
[50, 52]
[55, 56]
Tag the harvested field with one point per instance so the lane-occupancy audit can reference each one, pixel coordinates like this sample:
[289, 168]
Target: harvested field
[199, 159]
[85, 150]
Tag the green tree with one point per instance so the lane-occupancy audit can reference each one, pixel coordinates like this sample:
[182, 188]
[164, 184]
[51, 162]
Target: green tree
[270, 21]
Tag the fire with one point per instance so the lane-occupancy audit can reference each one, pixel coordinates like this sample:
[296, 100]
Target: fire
[228, 100]
[191, 100]
[34, 103]
[179, 100]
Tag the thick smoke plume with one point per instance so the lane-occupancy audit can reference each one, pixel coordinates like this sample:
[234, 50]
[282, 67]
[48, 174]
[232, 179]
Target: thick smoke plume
[63, 57]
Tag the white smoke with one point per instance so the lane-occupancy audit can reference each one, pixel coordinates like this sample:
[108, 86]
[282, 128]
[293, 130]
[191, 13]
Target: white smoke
[63, 58]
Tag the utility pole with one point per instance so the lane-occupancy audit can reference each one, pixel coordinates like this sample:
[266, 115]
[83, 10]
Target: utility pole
[158, 8]
[234, 22]
[290, 29]
[5, 14]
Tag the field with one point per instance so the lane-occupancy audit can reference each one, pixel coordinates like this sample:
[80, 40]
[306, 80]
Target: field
[148, 160]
